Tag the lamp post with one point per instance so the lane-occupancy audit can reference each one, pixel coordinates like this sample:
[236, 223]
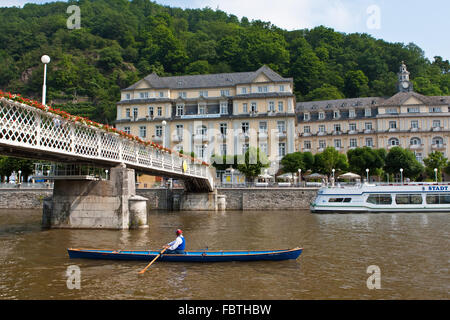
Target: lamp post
[401, 175]
[45, 60]
[435, 174]
[164, 123]
[367, 175]
[20, 173]
[106, 173]
[232, 181]
[299, 176]
[332, 182]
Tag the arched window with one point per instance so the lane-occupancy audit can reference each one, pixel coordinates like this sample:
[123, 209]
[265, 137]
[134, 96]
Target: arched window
[394, 142]
[415, 141]
[438, 141]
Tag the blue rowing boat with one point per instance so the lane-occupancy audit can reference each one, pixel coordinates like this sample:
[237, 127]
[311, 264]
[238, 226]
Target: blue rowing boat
[188, 256]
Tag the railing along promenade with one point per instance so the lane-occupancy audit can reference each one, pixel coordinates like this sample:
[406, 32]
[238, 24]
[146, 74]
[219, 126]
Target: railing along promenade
[29, 129]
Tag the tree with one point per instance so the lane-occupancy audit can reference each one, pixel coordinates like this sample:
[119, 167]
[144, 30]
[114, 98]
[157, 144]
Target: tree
[251, 164]
[360, 159]
[330, 159]
[292, 162]
[326, 92]
[224, 162]
[356, 84]
[435, 160]
[399, 158]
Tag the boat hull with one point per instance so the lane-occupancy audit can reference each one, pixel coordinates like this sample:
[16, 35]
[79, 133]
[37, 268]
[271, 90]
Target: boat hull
[188, 256]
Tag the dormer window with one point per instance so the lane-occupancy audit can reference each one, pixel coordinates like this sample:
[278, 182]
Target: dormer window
[306, 117]
[271, 106]
[223, 108]
[351, 113]
[281, 88]
[368, 112]
[243, 90]
[182, 94]
[336, 114]
[143, 95]
[128, 96]
[161, 94]
[201, 109]
[225, 93]
[321, 115]
[180, 110]
[262, 89]
[203, 93]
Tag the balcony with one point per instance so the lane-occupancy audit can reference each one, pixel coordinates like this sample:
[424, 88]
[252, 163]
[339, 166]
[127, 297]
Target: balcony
[281, 135]
[337, 133]
[157, 138]
[437, 129]
[439, 146]
[306, 134]
[322, 133]
[177, 138]
[243, 136]
[262, 135]
[369, 131]
[321, 149]
[353, 132]
[414, 129]
[416, 146]
[392, 130]
[390, 146]
[221, 137]
[199, 137]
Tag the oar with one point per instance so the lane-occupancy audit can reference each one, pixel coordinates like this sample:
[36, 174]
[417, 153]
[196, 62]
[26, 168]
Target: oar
[145, 269]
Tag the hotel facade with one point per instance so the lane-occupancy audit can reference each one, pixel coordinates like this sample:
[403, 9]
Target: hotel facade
[225, 114]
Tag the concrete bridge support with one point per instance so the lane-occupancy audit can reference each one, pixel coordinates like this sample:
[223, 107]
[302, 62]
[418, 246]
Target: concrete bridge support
[104, 204]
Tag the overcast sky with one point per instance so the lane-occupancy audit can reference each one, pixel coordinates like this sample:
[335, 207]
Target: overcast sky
[426, 23]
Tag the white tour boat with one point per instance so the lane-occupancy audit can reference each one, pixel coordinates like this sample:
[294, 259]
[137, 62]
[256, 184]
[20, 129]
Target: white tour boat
[367, 198]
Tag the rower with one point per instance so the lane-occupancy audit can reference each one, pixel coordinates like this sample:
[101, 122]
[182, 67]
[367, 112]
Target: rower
[177, 246]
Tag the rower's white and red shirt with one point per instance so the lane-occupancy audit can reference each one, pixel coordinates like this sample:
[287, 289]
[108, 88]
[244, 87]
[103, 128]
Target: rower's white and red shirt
[175, 244]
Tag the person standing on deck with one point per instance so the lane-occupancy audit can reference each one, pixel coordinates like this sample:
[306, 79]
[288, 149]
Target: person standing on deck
[177, 246]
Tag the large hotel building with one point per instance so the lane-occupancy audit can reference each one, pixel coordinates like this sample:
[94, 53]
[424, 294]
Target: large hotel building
[225, 114]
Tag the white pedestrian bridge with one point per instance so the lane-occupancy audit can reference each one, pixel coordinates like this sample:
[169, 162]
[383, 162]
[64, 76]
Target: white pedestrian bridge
[30, 130]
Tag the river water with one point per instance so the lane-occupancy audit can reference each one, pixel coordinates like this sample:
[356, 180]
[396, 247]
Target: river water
[411, 251]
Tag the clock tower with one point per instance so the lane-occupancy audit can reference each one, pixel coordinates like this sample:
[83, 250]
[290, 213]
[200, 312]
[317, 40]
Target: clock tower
[403, 84]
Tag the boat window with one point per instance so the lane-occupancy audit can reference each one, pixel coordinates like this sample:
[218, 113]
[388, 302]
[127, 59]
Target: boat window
[379, 199]
[336, 200]
[348, 200]
[438, 198]
[408, 199]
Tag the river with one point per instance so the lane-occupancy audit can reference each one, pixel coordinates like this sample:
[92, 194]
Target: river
[410, 250]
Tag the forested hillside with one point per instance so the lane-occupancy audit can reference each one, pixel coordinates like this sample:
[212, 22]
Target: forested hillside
[121, 41]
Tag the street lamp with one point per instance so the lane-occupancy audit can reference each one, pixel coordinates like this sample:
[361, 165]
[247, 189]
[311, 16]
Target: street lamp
[299, 176]
[232, 181]
[45, 60]
[435, 174]
[107, 171]
[164, 123]
[367, 175]
[332, 182]
[20, 173]
[401, 175]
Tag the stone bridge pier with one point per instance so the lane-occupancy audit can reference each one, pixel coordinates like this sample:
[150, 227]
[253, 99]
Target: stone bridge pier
[103, 204]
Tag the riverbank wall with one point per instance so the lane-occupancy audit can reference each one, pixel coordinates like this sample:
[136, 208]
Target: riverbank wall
[178, 199]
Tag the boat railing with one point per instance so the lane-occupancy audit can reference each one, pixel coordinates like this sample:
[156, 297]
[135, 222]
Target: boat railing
[388, 184]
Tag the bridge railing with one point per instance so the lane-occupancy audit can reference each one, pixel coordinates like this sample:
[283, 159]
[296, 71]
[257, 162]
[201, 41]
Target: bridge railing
[25, 126]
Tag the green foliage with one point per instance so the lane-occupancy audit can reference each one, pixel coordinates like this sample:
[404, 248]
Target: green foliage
[121, 41]
[297, 160]
[360, 159]
[399, 158]
[251, 164]
[224, 162]
[8, 165]
[330, 159]
[435, 160]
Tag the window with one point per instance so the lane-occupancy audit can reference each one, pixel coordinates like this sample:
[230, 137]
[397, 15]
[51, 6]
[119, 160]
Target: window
[394, 142]
[245, 108]
[243, 90]
[262, 89]
[223, 129]
[368, 112]
[180, 110]
[245, 148]
[419, 156]
[179, 130]
[353, 143]
[202, 130]
[271, 106]
[322, 128]
[161, 94]
[263, 148]
[352, 126]
[334, 200]
[200, 151]
[225, 93]
[143, 95]
[282, 149]
[306, 117]
[322, 144]
[307, 145]
[182, 94]
[159, 111]
[408, 199]
[337, 143]
[443, 198]
[307, 129]
[135, 113]
[280, 106]
[127, 130]
[392, 111]
[369, 142]
[245, 127]
[436, 123]
[201, 109]
[127, 113]
[128, 96]
[413, 110]
[414, 124]
[336, 114]
[281, 126]
[203, 93]
[281, 88]
[392, 124]
[158, 131]
[223, 149]
[437, 141]
[224, 108]
[351, 113]
[368, 125]
[337, 128]
[415, 141]
[142, 131]
[254, 107]
[435, 109]
[263, 127]
[321, 115]
[379, 199]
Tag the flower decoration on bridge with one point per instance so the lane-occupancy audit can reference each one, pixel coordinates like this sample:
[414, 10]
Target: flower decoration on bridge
[87, 122]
